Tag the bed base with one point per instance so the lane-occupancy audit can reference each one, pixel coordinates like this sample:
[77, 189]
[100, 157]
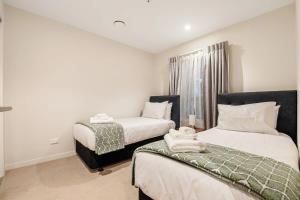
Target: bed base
[143, 196]
[96, 162]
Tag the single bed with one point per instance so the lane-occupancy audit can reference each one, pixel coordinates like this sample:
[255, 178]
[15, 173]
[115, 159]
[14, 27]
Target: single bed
[161, 178]
[133, 127]
[137, 131]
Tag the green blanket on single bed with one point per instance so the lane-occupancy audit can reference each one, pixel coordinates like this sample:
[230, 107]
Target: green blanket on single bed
[263, 177]
[109, 136]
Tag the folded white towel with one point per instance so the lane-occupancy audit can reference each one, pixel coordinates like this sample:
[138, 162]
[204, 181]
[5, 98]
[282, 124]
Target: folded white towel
[101, 116]
[181, 145]
[179, 135]
[95, 120]
[187, 130]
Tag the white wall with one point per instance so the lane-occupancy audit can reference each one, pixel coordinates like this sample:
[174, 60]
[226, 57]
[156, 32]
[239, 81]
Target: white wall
[262, 52]
[1, 93]
[55, 74]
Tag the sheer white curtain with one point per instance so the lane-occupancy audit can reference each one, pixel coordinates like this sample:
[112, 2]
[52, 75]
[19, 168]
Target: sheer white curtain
[191, 76]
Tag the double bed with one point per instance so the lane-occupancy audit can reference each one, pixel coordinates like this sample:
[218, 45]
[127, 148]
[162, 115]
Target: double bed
[158, 177]
[137, 132]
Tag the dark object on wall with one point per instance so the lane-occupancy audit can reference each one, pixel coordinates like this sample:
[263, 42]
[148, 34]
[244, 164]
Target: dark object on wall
[96, 162]
[5, 108]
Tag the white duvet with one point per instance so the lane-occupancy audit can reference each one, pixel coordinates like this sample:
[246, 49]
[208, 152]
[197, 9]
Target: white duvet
[165, 179]
[135, 129]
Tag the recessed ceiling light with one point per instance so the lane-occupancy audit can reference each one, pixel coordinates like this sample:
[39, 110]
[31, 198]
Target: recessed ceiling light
[187, 27]
[119, 23]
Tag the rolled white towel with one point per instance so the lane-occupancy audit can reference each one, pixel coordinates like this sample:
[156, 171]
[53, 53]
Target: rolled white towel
[187, 130]
[179, 135]
[95, 120]
[180, 145]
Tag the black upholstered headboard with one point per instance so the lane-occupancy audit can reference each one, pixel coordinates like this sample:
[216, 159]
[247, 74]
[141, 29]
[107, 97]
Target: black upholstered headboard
[287, 117]
[175, 112]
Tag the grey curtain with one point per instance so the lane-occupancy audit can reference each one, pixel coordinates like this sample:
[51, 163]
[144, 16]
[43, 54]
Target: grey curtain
[174, 76]
[216, 80]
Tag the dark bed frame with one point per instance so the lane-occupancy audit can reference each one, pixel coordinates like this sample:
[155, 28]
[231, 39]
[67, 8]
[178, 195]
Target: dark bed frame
[96, 162]
[287, 117]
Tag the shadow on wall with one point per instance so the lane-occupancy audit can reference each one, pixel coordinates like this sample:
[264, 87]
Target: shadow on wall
[236, 76]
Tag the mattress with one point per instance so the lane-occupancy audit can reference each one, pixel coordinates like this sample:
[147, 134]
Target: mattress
[165, 179]
[135, 129]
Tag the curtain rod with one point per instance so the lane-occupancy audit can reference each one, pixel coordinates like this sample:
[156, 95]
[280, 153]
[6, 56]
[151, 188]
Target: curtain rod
[200, 50]
[191, 52]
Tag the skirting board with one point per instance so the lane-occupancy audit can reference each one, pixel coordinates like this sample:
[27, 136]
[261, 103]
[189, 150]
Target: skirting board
[39, 160]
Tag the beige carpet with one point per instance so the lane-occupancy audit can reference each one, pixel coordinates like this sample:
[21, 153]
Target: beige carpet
[68, 179]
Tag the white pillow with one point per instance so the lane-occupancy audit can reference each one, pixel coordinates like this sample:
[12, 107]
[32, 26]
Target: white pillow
[271, 116]
[247, 124]
[264, 111]
[258, 117]
[167, 115]
[155, 110]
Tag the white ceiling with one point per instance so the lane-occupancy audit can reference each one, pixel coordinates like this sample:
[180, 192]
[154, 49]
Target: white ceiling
[153, 26]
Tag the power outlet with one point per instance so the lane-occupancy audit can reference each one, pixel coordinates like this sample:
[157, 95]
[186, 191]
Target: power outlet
[53, 141]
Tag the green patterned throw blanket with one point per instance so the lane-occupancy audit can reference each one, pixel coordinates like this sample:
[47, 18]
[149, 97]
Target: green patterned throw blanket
[109, 136]
[263, 177]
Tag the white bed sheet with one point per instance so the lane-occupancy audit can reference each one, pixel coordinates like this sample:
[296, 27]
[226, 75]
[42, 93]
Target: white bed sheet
[135, 129]
[165, 179]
